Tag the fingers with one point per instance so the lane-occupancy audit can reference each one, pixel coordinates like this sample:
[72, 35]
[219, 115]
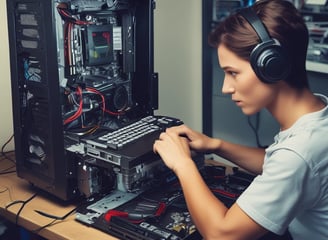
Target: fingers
[168, 136]
[158, 142]
[154, 147]
[173, 135]
[179, 130]
[170, 146]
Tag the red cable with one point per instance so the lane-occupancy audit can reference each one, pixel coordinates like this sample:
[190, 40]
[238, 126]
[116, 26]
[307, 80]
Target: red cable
[79, 110]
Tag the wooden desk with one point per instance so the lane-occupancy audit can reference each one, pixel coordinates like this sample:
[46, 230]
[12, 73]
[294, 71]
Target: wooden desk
[12, 188]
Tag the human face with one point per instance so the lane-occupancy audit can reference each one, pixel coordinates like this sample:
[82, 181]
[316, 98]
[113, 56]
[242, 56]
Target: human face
[240, 81]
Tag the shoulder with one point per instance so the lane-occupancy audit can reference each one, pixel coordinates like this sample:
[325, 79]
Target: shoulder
[284, 188]
[306, 138]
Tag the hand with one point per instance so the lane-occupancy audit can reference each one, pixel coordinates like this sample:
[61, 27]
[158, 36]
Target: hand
[176, 143]
[173, 149]
[198, 142]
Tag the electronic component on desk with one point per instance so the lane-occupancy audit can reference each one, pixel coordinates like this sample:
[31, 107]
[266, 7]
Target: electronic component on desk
[115, 150]
[136, 165]
[123, 229]
[143, 217]
[99, 44]
[110, 201]
[94, 179]
[134, 132]
[159, 213]
[87, 5]
[133, 158]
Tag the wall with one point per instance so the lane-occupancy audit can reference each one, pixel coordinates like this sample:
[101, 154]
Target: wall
[6, 127]
[178, 59]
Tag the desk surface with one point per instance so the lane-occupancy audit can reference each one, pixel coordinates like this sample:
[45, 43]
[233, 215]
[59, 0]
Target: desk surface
[12, 188]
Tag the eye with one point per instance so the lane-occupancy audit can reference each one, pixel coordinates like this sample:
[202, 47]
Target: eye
[231, 73]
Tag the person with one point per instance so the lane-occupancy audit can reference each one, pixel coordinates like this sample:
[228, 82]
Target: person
[290, 190]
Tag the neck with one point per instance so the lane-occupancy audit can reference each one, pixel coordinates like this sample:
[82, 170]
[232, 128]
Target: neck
[290, 104]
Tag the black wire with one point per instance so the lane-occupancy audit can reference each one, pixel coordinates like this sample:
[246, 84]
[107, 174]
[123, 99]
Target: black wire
[3, 153]
[43, 227]
[22, 206]
[5, 171]
[5, 190]
[55, 218]
[255, 129]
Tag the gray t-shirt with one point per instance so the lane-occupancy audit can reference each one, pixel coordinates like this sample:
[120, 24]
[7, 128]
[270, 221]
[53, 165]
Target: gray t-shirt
[292, 191]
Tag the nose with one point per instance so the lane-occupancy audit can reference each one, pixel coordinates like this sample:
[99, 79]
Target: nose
[227, 87]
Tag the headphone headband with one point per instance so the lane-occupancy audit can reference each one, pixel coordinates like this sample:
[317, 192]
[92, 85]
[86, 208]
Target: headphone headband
[261, 31]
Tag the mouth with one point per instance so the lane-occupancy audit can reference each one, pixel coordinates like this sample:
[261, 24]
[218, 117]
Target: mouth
[237, 102]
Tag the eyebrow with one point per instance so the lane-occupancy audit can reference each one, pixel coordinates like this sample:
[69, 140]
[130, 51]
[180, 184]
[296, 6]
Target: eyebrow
[227, 68]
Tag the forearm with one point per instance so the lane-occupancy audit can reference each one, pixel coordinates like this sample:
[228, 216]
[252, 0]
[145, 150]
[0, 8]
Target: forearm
[211, 217]
[204, 207]
[248, 158]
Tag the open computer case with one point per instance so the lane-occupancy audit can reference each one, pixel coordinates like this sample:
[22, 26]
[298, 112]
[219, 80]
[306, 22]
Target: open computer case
[77, 66]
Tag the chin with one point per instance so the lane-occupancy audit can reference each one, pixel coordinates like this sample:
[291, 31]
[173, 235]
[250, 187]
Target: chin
[249, 112]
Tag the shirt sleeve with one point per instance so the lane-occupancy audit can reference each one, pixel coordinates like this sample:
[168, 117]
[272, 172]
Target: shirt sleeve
[275, 197]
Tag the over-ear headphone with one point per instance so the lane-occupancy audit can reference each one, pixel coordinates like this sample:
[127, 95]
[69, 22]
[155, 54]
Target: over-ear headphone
[268, 58]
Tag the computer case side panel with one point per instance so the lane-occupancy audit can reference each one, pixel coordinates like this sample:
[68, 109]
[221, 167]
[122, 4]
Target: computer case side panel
[146, 88]
[39, 143]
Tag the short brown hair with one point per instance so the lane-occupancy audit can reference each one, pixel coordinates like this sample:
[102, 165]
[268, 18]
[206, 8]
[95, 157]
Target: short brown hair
[283, 22]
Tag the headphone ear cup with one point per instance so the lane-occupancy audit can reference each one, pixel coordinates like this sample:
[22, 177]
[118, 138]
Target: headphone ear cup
[270, 62]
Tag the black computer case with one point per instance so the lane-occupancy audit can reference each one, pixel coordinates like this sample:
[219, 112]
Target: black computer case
[76, 65]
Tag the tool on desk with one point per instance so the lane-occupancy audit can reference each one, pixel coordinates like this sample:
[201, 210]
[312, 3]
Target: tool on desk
[142, 211]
